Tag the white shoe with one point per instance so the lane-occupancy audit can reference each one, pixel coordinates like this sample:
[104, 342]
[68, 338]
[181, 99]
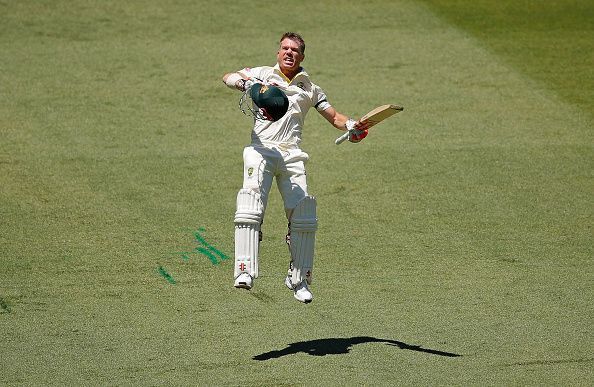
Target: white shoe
[302, 293]
[244, 281]
[288, 282]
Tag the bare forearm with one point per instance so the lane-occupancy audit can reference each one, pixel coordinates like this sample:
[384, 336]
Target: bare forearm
[357, 130]
[340, 121]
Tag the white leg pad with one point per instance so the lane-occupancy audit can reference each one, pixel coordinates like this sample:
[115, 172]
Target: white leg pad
[248, 219]
[303, 226]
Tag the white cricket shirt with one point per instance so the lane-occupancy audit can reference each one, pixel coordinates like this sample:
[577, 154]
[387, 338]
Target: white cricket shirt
[302, 93]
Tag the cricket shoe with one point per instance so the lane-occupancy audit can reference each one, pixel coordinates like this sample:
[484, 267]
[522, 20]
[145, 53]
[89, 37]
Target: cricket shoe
[244, 281]
[288, 282]
[302, 293]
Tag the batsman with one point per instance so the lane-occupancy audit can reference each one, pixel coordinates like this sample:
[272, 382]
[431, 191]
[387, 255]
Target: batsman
[281, 95]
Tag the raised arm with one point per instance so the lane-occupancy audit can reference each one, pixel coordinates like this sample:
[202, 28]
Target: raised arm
[236, 81]
[357, 128]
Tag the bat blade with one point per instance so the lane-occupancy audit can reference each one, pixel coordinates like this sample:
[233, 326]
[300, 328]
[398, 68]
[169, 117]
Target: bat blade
[374, 117]
[380, 113]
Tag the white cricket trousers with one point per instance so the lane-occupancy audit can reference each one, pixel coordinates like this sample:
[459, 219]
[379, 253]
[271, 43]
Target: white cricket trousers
[261, 164]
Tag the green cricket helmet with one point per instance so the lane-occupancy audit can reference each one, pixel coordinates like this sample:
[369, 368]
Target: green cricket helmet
[271, 100]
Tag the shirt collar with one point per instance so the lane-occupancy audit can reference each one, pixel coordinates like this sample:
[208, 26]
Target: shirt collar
[278, 70]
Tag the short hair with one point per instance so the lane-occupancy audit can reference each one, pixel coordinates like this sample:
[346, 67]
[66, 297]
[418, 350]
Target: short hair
[295, 37]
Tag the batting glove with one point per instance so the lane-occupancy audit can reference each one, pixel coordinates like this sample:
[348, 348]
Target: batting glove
[355, 135]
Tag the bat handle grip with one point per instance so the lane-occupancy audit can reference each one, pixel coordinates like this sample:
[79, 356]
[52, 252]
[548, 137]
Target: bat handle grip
[342, 138]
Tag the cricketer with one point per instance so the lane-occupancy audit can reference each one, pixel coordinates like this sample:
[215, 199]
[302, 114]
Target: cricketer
[275, 152]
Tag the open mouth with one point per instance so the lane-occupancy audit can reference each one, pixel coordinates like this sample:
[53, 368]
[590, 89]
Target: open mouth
[289, 61]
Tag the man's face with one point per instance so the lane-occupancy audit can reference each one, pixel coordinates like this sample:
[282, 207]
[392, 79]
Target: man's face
[289, 56]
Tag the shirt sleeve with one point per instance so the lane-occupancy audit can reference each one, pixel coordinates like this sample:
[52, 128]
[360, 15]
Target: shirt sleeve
[252, 72]
[320, 100]
[245, 72]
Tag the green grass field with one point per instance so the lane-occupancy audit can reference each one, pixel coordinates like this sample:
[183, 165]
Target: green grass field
[455, 243]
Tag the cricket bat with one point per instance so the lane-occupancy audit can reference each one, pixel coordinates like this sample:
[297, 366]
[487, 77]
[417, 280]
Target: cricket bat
[373, 118]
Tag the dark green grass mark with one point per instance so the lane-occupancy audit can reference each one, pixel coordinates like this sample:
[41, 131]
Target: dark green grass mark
[215, 255]
[166, 275]
[4, 307]
[209, 250]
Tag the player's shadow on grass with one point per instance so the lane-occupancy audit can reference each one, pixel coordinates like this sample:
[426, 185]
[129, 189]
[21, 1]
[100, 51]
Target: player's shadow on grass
[338, 346]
